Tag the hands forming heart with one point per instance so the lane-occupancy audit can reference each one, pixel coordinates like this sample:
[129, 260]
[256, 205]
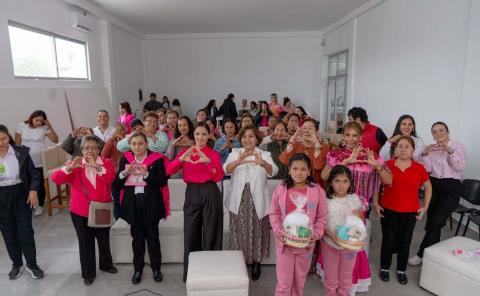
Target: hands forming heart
[258, 160]
[194, 155]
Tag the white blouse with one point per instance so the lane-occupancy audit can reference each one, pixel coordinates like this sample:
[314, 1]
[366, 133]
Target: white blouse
[417, 154]
[9, 169]
[107, 135]
[250, 173]
[34, 138]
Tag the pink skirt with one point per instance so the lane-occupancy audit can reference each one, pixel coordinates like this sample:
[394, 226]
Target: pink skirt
[361, 277]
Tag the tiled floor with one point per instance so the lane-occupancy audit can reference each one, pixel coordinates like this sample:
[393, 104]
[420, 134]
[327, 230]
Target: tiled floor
[57, 253]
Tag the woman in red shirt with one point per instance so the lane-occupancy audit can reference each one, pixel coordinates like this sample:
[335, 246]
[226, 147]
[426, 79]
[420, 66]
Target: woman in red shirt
[203, 208]
[399, 207]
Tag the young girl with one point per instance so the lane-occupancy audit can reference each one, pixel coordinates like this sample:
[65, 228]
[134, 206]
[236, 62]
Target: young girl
[293, 263]
[338, 262]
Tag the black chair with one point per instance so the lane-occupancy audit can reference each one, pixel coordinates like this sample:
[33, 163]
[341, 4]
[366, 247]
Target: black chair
[471, 193]
[475, 218]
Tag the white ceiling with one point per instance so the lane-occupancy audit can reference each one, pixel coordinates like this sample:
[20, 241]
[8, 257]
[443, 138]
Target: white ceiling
[225, 16]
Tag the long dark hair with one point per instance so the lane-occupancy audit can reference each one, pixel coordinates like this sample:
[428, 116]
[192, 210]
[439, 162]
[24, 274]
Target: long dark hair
[336, 171]
[203, 124]
[210, 105]
[303, 110]
[4, 129]
[126, 105]
[34, 114]
[190, 128]
[397, 131]
[299, 157]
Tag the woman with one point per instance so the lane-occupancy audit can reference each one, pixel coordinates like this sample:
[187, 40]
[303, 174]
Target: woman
[293, 123]
[72, 144]
[214, 132]
[306, 140]
[226, 143]
[19, 184]
[110, 151]
[212, 110]
[201, 116]
[274, 105]
[445, 161]
[141, 176]
[126, 115]
[162, 118]
[246, 120]
[366, 185]
[103, 130]
[253, 109]
[203, 208]
[32, 133]
[278, 143]
[171, 123]
[288, 105]
[405, 127]
[399, 207]
[301, 113]
[261, 120]
[249, 201]
[165, 103]
[183, 139]
[176, 106]
[90, 177]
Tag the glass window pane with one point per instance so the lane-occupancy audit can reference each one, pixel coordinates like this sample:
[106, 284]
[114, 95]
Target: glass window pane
[340, 91]
[342, 64]
[331, 99]
[72, 59]
[332, 67]
[33, 53]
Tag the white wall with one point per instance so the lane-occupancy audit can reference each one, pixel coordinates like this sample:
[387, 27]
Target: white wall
[127, 67]
[410, 57]
[198, 68]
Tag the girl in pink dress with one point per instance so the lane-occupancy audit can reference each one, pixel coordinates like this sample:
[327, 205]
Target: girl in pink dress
[126, 117]
[366, 182]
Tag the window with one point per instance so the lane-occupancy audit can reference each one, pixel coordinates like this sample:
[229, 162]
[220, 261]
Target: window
[337, 90]
[40, 54]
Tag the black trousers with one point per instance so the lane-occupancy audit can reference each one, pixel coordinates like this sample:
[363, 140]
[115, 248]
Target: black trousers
[445, 197]
[86, 243]
[397, 232]
[142, 230]
[16, 224]
[41, 190]
[202, 220]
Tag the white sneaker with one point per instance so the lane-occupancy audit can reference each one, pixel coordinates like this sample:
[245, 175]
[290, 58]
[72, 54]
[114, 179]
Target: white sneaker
[38, 211]
[415, 261]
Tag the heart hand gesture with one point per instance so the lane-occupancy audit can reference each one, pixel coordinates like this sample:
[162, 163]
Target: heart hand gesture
[258, 159]
[75, 163]
[371, 159]
[203, 158]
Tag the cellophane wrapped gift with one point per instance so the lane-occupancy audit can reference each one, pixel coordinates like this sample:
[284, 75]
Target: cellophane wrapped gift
[351, 233]
[296, 225]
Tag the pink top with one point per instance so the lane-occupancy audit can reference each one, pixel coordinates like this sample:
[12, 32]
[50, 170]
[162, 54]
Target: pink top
[83, 190]
[264, 121]
[126, 119]
[442, 165]
[198, 172]
[170, 132]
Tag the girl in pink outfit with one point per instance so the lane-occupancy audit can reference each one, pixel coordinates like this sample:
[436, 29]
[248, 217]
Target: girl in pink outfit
[293, 263]
[126, 117]
[339, 262]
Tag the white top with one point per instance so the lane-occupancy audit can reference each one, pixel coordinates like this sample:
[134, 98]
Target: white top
[34, 138]
[109, 132]
[417, 154]
[249, 173]
[338, 210]
[9, 169]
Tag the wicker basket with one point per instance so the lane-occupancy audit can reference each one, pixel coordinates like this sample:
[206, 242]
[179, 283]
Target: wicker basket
[351, 245]
[297, 242]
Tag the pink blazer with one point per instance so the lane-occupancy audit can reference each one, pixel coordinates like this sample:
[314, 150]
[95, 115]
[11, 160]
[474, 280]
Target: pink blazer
[317, 210]
[126, 120]
[79, 202]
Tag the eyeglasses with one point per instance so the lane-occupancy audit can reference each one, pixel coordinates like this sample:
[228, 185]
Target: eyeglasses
[90, 149]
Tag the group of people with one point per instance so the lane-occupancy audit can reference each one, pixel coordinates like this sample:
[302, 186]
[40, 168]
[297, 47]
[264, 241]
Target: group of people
[131, 162]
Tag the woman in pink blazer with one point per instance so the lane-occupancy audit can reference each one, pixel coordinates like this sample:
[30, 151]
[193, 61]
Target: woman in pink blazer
[126, 117]
[91, 178]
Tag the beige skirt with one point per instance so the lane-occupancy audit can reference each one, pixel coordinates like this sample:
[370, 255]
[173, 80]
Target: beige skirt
[249, 233]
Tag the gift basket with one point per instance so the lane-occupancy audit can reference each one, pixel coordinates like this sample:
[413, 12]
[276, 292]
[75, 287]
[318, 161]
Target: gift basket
[296, 225]
[351, 233]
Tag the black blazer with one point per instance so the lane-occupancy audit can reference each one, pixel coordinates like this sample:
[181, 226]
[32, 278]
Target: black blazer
[154, 207]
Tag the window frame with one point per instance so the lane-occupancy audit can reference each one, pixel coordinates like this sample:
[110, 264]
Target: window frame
[54, 36]
[334, 79]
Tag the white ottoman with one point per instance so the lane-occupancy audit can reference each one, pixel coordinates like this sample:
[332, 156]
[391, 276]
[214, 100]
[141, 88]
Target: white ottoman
[445, 274]
[217, 273]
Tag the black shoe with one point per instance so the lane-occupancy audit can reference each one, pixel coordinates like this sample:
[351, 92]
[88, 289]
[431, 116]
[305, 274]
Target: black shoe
[157, 276]
[112, 269]
[137, 277]
[16, 272]
[256, 271]
[384, 275]
[402, 278]
[35, 271]
[88, 282]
